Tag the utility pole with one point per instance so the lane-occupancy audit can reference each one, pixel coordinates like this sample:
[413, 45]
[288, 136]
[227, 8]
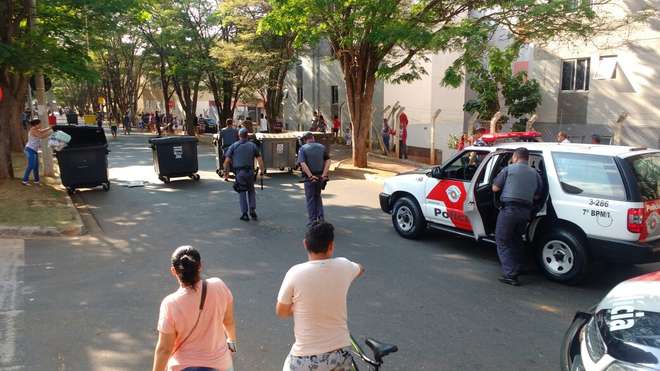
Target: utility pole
[41, 100]
[432, 158]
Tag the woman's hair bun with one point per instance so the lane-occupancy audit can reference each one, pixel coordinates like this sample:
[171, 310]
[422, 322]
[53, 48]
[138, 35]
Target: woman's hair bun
[186, 262]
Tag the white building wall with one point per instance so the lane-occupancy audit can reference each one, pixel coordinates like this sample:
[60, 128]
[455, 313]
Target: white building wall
[423, 97]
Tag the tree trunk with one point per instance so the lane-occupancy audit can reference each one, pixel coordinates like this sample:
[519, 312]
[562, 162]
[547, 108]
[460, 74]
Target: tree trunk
[275, 95]
[360, 84]
[227, 106]
[18, 134]
[12, 134]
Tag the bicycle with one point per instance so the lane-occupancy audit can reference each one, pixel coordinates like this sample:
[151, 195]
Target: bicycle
[379, 350]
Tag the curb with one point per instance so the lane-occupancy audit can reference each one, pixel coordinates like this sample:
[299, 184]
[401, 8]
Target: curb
[403, 161]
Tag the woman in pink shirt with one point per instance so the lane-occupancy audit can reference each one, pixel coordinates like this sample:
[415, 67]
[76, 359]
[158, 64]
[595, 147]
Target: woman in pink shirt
[196, 323]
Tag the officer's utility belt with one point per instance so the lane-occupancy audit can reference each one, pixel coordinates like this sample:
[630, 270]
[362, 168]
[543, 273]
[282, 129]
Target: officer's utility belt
[523, 204]
[246, 168]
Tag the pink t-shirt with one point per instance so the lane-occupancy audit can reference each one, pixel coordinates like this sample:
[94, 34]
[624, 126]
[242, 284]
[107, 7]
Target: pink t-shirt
[207, 346]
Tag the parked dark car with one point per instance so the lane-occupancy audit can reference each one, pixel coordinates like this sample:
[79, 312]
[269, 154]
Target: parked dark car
[621, 333]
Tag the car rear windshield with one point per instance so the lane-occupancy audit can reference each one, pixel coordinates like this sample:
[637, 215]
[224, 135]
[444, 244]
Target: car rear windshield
[647, 172]
[589, 175]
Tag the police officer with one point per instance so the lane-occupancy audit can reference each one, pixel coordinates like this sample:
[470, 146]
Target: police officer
[315, 162]
[520, 186]
[240, 156]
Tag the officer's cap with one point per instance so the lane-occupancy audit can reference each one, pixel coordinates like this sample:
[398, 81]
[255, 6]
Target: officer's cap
[243, 132]
[308, 135]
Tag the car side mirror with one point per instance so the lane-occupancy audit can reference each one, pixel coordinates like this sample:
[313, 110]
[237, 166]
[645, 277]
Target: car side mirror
[437, 172]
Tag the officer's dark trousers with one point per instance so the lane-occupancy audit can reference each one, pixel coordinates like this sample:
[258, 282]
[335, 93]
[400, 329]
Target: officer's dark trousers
[511, 223]
[245, 178]
[314, 201]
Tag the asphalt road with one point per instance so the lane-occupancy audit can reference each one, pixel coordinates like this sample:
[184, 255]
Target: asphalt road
[92, 303]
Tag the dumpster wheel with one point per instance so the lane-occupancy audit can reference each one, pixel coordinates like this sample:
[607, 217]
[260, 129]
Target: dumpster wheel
[106, 186]
[70, 190]
[164, 179]
[195, 177]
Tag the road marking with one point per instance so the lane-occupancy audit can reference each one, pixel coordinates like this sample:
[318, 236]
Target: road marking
[12, 260]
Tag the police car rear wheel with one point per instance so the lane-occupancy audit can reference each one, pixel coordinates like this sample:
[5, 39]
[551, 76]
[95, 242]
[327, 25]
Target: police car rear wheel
[562, 255]
[407, 218]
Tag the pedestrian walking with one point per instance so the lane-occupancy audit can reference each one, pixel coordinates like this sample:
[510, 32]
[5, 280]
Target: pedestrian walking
[31, 150]
[322, 125]
[240, 156]
[263, 124]
[113, 127]
[248, 125]
[314, 126]
[52, 119]
[314, 293]
[127, 123]
[403, 140]
[196, 327]
[336, 126]
[99, 119]
[314, 161]
[385, 133]
[158, 120]
[520, 185]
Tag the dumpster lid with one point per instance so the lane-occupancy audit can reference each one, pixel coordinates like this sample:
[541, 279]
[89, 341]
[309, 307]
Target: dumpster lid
[173, 139]
[290, 135]
[82, 136]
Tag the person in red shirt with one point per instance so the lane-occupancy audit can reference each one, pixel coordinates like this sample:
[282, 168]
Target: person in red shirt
[403, 125]
[336, 125]
[52, 120]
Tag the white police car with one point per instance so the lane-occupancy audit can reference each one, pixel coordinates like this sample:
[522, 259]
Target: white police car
[621, 333]
[599, 202]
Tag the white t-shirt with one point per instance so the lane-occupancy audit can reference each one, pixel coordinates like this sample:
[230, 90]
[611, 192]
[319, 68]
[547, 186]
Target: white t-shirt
[263, 124]
[318, 292]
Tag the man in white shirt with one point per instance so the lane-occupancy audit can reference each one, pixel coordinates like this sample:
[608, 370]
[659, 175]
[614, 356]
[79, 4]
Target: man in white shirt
[562, 137]
[314, 293]
[263, 124]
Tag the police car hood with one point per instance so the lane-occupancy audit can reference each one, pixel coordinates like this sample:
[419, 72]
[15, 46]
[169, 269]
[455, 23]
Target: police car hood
[418, 171]
[629, 318]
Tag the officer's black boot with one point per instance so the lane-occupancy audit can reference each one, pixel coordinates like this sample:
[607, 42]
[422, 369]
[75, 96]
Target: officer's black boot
[245, 217]
[253, 214]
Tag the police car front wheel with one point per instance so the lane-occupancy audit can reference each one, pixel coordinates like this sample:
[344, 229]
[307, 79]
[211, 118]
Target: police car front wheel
[562, 256]
[407, 218]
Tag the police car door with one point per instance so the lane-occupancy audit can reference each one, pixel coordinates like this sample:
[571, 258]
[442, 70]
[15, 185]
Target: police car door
[447, 191]
[479, 187]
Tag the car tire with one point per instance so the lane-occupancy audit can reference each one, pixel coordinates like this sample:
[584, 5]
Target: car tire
[562, 256]
[570, 348]
[407, 218]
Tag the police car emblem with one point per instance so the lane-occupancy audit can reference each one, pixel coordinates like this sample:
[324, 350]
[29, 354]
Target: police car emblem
[454, 193]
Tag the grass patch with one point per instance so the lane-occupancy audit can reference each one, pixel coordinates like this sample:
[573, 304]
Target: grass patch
[34, 206]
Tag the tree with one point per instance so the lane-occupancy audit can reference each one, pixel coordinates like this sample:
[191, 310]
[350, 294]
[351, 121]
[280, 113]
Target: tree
[493, 79]
[258, 59]
[387, 38]
[56, 47]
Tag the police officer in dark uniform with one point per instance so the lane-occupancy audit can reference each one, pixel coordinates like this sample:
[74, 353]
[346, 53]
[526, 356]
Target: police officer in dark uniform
[314, 161]
[240, 156]
[520, 185]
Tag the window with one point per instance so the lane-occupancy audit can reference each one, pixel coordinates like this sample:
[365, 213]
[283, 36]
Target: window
[606, 68]
[299, 82]
[589, 175]
[575, 74]
[334, 94]
[647, 174]
[464, 167]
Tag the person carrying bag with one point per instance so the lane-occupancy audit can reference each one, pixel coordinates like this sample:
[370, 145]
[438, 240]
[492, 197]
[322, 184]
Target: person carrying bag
[196, 324]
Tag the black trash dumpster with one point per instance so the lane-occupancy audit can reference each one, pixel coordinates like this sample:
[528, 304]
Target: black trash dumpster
[84, 161]
[175, 157]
